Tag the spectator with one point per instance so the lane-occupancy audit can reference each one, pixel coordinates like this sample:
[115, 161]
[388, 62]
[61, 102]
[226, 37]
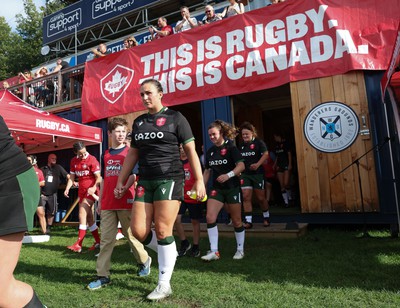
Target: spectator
[53, 175]
[41, 72]
[19, 191]
[195, 209]
[39, 212]
[210, 15]
[25, 76]
[114, 210]
[61, 64]
[130, 42]
[187, 22]
[165, 29]
[101, 51]
[5, 85]
[87, 168]
[232, 9]
[42, 90]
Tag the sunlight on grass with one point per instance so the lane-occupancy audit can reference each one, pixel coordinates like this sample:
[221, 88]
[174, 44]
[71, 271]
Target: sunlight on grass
[325, 268]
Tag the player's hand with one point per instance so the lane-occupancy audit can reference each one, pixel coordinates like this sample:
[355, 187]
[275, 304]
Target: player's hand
[66, 193]
[119, 191]
[200, 190]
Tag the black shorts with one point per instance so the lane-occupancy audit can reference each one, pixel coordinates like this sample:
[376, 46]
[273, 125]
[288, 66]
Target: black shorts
[49, 203]
[195, 210]
[19, 198]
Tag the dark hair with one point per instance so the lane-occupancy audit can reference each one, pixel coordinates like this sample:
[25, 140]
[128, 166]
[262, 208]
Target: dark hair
[33, 158]
[227, 130]
[155, 83]
[115, 122]
[248, 126]
[78, 146]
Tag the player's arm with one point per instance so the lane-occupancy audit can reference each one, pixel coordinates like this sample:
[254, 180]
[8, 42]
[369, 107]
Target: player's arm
[92, 190]
[262, 159]
[129, 162]
[70, 182]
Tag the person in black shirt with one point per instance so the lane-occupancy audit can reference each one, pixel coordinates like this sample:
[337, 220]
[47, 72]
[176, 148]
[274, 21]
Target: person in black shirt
[283, 166]
[156, 137]
[19, 197]
[225, 162]
[53, 175]
[254, 152]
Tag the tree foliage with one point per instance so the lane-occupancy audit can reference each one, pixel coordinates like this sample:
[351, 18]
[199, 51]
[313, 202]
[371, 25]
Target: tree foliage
[21, 49]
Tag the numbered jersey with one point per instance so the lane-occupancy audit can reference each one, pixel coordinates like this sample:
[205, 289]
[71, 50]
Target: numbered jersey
[221, 160]
[251, 153]
[157, 138]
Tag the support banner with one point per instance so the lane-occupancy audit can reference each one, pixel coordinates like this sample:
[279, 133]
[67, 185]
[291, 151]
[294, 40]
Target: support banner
[261, 49]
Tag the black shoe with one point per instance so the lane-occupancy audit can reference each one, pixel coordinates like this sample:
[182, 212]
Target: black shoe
[247, 225]
[184, 249]
[194, 252]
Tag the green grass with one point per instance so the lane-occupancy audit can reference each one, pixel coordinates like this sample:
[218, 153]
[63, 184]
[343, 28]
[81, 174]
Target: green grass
[325, 268]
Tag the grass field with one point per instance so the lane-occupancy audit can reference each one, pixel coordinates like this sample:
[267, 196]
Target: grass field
[325, 268]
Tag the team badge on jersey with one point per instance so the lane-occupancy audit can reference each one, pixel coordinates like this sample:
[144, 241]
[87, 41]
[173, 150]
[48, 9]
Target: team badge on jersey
[252, 146]
[241, 181]
[84, 166]
[223, 152]
[140, 191]
[161, 121]
[213, 193]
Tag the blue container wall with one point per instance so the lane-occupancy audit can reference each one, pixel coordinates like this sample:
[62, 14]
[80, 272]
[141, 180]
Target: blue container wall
[211, 110]
[379, 132]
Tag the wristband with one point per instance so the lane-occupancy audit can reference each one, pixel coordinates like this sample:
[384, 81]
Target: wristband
[230, 174]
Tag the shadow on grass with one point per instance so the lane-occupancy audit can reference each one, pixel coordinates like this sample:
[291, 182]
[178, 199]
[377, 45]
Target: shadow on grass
[322, 258]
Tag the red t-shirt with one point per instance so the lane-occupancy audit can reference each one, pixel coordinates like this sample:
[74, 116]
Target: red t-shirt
[112, 168]
[166, 28]
[85, 169]
[189, 181]
[39, 174]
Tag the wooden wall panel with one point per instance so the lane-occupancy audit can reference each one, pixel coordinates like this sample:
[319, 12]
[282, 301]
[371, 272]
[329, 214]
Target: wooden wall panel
[318, 192]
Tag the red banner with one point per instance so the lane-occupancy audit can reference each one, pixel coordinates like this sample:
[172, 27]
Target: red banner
[261, 49]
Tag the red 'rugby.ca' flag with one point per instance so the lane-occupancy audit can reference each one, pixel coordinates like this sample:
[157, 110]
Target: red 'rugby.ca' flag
[261, 49]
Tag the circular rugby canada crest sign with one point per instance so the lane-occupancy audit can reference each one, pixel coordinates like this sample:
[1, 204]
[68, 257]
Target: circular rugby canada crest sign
[331, 127]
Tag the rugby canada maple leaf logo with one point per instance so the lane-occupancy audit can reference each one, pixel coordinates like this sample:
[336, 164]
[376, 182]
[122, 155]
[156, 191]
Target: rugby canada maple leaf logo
[116, 82]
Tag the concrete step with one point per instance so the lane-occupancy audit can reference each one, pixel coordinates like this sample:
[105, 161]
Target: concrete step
[275, 230]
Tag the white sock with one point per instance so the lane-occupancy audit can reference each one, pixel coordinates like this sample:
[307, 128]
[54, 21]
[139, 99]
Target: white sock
[153, 245]
[249, 219]
[213, 237]
[285, 197]
[240, 240]
[82, 227]
[266, 214]
[166, 262]
[289, 194]
[93, 227]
